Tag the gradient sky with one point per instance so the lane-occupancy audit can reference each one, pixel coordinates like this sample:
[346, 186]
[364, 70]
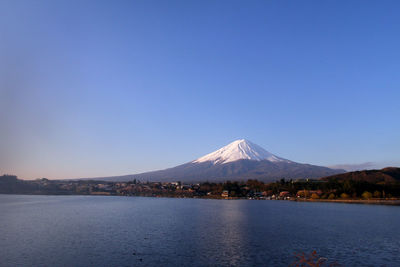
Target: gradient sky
[99, 88]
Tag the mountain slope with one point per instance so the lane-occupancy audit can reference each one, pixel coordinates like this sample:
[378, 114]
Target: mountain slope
[239, 160]
[389, 174]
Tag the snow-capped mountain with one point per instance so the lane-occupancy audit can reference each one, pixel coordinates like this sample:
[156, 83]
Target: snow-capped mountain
[237, 150]
[239, 160]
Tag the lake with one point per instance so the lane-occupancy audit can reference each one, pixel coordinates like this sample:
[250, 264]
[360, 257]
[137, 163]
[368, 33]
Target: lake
[138, 231]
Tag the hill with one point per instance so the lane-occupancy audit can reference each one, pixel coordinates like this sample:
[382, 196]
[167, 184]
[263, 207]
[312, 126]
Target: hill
[388, 175]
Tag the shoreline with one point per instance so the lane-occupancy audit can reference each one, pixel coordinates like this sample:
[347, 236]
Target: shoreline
[388, 202]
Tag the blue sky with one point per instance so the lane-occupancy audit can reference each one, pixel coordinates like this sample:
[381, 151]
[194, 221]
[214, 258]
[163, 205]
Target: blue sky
[97, 88]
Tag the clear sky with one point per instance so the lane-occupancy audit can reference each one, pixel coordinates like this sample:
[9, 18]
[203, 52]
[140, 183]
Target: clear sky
[99, 88]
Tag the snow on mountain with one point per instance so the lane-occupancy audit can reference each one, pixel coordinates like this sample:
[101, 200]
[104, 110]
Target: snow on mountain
[238, 161]
[237, 150]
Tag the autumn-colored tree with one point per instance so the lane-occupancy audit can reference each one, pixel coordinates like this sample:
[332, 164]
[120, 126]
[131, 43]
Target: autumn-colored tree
[311, 260]
[344, 195]
[366, 195]
[314, 196]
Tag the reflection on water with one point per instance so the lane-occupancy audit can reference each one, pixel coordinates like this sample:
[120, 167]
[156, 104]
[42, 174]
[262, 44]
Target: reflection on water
[122, 231]
[221, 235]
[232, 238]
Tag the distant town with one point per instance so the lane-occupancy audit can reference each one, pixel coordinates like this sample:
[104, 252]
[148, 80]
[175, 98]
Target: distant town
[299, 190]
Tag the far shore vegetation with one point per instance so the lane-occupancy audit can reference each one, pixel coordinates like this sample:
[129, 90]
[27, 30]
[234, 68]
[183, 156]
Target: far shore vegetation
[348, 191]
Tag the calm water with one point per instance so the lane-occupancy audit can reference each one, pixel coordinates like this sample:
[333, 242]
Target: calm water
[134, 231]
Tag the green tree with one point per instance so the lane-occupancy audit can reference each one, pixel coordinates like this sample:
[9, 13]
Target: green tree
[377, 194]
[324, 196]
[348, 186]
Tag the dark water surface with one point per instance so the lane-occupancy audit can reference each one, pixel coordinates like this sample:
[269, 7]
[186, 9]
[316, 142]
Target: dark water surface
[135, 231]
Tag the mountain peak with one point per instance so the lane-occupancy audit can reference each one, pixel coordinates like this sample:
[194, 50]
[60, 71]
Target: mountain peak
[237, 150]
